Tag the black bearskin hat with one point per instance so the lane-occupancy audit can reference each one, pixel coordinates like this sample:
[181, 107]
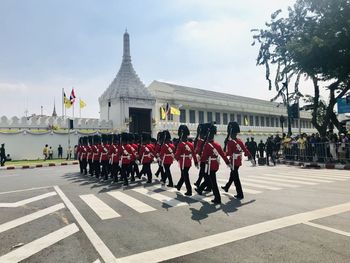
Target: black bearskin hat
[97, 139]
[84, 140]
[115, 138]
[183, 131]
[167, 135]
[104, 138]
[131, 137]
[90, 140]
[145, 137]
[233, 127]
[109, 138]
[212, 131]
[125, 137]
[137, 137]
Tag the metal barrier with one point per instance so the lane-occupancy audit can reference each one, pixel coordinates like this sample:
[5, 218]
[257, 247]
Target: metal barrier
[325, 152]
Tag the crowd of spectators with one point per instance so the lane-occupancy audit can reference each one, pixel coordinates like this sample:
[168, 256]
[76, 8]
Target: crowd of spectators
[331, 148]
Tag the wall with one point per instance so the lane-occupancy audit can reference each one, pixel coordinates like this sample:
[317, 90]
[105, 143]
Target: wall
[29, 146]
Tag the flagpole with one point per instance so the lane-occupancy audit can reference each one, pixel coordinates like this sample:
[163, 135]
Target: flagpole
[73, 109]
[63, 102]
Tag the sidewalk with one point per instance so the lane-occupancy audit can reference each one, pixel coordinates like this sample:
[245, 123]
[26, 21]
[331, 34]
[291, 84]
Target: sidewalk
[316, 165]
[38, 165]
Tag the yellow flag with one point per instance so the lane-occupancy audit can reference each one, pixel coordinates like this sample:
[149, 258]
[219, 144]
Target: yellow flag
[163, 113]
[246, 121]
[67, 103]
[82, 103]
[174, 111]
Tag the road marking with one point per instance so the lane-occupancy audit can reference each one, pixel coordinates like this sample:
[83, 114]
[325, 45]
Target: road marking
[24, 190]
[29, 200]
[331, 172]
[296, 177]
[25, 219]
[95, 240]
[246, 190]
[200, 198]
[269, 182]
[97, 261]
[340, 232]
[159, 197]
[39, 244]
[329, 177]
[103, 210]
[268, 178]
[196, 245]
[261, 186]
[131, 202]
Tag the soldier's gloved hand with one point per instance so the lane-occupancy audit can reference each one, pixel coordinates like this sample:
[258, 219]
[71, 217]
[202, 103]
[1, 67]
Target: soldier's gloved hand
[137, 162]
[146, 148]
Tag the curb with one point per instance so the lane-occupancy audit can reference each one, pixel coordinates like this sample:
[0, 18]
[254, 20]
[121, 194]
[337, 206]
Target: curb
[312, 165]
[38, 165]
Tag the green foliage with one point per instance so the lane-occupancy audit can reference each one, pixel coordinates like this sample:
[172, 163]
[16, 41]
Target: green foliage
[312, 40]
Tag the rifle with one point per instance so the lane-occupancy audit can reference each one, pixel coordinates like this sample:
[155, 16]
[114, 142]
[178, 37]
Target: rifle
[227, 137]
[206, 138]
[196, 139]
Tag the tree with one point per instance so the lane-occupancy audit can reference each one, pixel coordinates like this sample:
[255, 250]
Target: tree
[312, 40]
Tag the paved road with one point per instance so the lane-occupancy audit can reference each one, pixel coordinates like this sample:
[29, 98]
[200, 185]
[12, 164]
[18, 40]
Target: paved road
[289, 214]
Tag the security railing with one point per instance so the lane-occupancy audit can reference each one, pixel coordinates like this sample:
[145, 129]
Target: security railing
[324, 152]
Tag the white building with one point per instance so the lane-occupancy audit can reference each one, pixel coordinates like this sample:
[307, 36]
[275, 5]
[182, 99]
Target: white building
[133, 107]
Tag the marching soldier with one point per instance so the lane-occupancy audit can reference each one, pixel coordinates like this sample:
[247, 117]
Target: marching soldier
[157, 149]
[124, 157]
[147, 155]
[89, 154]
[96, 156]
[114, 161]
[235, 147]
[104, 158]
[211, 156]
[167, 157]
[79, 150]
[83, 155]
[133, 148]
[184, 154]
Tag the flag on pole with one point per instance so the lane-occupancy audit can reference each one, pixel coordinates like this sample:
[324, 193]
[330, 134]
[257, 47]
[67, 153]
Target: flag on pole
[66, 101]
[174, 111]
[167, 109]
[163, 114]
[246, 121]
[72, 96]
[82, 104]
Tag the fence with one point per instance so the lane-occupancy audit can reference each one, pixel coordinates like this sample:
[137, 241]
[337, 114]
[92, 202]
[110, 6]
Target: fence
[325, 152]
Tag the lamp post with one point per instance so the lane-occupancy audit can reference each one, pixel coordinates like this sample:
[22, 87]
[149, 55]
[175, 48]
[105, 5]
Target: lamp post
[282, 120]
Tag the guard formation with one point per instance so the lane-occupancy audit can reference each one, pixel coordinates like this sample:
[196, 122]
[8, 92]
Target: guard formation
[117, 157]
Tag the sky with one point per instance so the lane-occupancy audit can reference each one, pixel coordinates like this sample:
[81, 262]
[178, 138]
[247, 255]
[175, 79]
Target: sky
[50, 45]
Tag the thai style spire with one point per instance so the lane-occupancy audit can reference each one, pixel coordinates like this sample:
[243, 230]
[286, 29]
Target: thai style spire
[54, 114]
[126, 84]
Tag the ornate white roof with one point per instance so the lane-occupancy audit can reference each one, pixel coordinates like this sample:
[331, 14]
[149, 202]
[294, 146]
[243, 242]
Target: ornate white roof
[127, 83]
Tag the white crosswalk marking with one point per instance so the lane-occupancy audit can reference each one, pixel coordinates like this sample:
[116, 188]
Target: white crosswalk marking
[330, 172]
[261, 186]
[246, 190]
[335, 178]
[39, 244]
[29, 200]
[267, 178]
[131, 202]
[201, 198]
[25, 219]
[295, 177]
[103, 210]
[159, 197]
[322, 176]
[269, 182]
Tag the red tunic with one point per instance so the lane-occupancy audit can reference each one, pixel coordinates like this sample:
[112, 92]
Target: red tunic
[113, 154]
[96, 152]
[82, 152]
[89, 152]
[211, 154]
[146, 153]
[104, 149]
[167, 153]
[125, 154]
[184, 154]
[234, 151]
